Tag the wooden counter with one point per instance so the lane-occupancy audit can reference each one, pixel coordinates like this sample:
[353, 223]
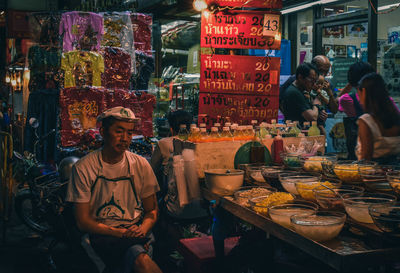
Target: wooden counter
[345, 253]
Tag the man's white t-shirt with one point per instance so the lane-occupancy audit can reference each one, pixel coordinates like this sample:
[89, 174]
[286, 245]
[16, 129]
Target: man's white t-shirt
[114, 191]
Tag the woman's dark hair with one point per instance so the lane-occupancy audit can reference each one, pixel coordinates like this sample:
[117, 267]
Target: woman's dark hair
[357, 71]
[176, 118]
[378, 102]
[304, 70]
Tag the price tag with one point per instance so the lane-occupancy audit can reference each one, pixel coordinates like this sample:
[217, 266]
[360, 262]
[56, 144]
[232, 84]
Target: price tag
[271, 24]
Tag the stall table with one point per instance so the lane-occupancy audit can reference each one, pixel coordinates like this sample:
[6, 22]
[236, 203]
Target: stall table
[344, 253]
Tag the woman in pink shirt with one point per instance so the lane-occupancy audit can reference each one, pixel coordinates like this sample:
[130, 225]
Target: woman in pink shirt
[349, 104]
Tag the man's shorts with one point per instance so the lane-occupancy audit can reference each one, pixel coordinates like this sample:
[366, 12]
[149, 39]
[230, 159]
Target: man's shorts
[119, 254]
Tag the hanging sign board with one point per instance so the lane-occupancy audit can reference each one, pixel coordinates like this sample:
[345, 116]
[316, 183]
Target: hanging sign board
[237, 29]
[240, 74]
[269, 4]
[241, 108]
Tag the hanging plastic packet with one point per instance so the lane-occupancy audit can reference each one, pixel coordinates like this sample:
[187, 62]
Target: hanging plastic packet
[179, 174]
[191, 175]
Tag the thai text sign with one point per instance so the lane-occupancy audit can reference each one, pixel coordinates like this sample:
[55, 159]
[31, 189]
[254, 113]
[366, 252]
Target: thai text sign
[237, 29]
[269, 4]
[240, 74]
[240, 108]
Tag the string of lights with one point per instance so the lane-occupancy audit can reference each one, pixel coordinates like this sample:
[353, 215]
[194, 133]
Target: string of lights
[382, 12]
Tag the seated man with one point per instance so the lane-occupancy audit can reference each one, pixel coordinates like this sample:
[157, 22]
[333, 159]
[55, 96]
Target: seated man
[113, 191]
[297, 103]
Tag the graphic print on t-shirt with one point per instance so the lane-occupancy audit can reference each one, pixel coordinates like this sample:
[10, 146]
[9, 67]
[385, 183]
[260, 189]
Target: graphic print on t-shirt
[110, 210]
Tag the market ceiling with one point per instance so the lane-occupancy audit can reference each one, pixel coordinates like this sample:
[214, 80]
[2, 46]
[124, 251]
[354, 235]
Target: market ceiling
[183, 9]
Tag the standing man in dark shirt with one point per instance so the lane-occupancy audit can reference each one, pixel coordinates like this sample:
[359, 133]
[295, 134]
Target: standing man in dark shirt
[323, 66]
[296, 102]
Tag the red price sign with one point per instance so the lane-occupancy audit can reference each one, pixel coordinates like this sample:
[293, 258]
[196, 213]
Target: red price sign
[269, 4]
[237, 29]
[240, 74]
[240, 108]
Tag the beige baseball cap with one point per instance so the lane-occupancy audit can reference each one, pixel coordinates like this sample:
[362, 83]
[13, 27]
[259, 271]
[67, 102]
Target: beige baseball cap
[120, 113]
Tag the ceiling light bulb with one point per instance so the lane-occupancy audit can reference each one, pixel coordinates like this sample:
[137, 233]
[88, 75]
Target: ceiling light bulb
[206, 14]
[199, 5]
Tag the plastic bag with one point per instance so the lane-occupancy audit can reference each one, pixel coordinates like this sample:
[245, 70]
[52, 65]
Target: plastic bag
[191, 175]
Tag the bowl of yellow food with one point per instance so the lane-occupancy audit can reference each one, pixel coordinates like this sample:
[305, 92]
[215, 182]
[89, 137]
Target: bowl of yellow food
[289, 180]
[314, 163]
[262, 203]
[394, 181]
[305, 189]
[348, 171]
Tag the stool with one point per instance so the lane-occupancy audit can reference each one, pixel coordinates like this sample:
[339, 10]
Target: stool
[199, 252]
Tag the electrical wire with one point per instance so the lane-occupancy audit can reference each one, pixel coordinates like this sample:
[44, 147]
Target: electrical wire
[382, 12]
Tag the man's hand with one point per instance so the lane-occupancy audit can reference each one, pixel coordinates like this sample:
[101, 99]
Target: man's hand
[323, 115]
[135, 232]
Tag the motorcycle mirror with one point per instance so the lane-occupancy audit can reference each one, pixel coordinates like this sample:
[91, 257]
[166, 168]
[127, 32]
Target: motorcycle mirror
[18, 155]
[34, 123]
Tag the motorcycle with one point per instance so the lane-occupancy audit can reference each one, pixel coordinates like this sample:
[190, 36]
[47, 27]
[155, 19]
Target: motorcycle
[39, 201]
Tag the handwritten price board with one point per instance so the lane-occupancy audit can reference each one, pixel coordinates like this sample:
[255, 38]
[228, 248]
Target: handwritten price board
[240, 74]
[240, 108]
[237, 29]
[269, 4]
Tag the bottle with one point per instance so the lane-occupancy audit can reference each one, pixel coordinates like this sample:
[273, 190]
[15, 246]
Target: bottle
[306, 126]
[314, 131]
[263, 130]
[238, 134]
[203, 125]
[226, 134]
[296, 127]
[249, 132]
[272, 130]
[291, 131]
[194, 135]
[204, 137]
[277, 148]
[214, 135]
[183, 133]
[282, 129]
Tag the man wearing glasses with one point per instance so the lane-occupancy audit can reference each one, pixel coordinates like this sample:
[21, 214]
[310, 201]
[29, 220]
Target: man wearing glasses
[296, 102]
[323, 66]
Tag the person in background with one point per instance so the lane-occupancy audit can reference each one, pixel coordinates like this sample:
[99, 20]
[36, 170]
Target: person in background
[320, 93]
[114, 196]
[160, 160]
[323, 66]
[350, 105]
[297, 103]
[164, 148]
[379, 127]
